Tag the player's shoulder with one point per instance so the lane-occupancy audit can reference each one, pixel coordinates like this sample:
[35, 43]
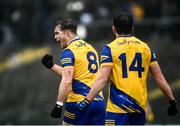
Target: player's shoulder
[67, 52]
[142, 42]
[87, 46]
[108, 46]
[75, 46]
[80, 47]
[111, 43]
[79, 44]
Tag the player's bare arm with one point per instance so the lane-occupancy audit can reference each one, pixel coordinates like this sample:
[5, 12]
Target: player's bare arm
[97, 86]
[100, 82]
[57, 69]
[64, 87]
[161, 81]
[47, 61]
[164, 86]
[67, 76]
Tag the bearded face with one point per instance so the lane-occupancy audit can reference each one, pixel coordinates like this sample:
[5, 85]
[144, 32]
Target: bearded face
[60, 36]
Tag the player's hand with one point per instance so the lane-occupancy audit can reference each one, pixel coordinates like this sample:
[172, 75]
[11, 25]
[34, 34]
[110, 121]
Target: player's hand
[83, 105]
[172, 109]
[56, 112]
[47, 61]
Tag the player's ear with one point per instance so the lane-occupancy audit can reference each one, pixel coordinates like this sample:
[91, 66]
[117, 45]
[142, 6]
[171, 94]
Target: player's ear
[113, 29]
[68, 33]
[65, 33]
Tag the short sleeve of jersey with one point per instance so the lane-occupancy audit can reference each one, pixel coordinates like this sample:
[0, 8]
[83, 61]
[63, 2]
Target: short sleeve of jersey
[67, 58]
[106, 57]
[153, 57]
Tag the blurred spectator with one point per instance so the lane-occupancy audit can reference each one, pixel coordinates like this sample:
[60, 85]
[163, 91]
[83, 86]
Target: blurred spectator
[31, 21]
[137, 12]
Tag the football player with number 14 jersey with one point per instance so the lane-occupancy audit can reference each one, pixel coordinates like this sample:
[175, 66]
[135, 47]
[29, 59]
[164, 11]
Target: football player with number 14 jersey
[127, 61]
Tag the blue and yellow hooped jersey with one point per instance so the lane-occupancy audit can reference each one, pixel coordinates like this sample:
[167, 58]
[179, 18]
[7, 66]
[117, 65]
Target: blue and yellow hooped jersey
[130, 59]
[84, 58]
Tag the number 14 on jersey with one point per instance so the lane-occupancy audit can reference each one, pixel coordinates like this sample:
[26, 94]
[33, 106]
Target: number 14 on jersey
[136, 65]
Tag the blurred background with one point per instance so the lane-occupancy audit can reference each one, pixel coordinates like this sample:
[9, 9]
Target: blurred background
[28, 90]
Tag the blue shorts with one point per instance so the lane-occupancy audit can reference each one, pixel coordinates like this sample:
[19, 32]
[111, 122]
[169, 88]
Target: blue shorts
[125, 118]
[94, 115]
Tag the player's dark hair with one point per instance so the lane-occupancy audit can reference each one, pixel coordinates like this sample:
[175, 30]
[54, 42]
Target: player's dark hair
[123, 23]
[67, 24]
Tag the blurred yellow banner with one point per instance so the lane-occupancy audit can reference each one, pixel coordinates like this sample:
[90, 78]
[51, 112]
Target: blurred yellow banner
[26, 56]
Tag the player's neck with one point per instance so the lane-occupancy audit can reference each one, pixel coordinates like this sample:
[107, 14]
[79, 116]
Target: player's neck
[123, 35]
[72, 39]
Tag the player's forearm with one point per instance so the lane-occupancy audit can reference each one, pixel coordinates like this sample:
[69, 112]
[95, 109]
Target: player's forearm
[161, 81]
[63, 91]
[164, 86]
[100, 82]
[65, 85]
[57, 69]
[96, 88]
